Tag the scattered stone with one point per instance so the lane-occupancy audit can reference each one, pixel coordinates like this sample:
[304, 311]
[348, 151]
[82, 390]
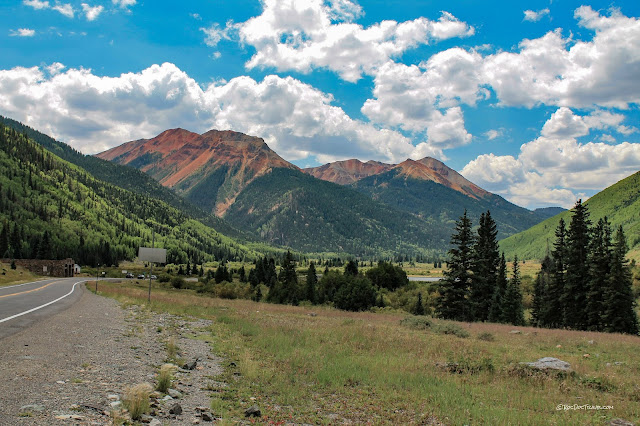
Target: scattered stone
[113, 397]
[206, 417]
[176, 409]
[174, 394]
[515, 332]
[145, 418]
[620, 422]
[190, 365]
[69, 417]
[618, 363]
[115, 404]
[549, 363]
[591, 342]
[558, 346]
[195, 421]
[32, 407]
[586, 356]
[253, 411]
[60, 382]
[74, 407]
[155, 422]
[312, 314]
[167, 398]
[232, 364]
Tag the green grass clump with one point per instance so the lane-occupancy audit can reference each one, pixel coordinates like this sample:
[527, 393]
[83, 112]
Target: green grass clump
[165, 377]
[450, 328]
[418, 322]
[486, 336]
[136, 400]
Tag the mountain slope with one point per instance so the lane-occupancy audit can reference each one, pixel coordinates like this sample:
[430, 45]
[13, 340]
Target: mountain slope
[54, 209]
[348, 171]
[291, 208]
[620, 203]
[209, 170]
[125, 177]
[414, 189]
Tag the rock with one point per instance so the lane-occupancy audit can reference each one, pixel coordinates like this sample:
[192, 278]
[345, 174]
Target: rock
[195, 421]
[515, 332]
[176, 409]
[206, 417]
[253, 411]
[32, 407]
[174, 394]
[591, 342]
[620, 422]
[115, 404]
[167, 398]
[155, 422]
[60, 382]
[145, 418]
[190, 365]
[113, 397]
[549, 363]
[232, 364]
[69, 417]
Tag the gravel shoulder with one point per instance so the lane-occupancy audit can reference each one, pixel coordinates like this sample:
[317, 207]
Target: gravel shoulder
[74, 367]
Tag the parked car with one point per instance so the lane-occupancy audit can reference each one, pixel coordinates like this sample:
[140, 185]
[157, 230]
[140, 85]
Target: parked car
[129, 275]
[141, 277]
[153, 277]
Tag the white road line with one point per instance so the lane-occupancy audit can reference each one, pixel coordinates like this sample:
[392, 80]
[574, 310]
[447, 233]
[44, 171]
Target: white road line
[42, 306]
[20, 285]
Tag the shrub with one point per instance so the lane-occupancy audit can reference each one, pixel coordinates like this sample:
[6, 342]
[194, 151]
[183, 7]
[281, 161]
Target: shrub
[416, 322]
[136, 400]
[450, 328]
[466, 366]
[486, 336]
[177, 282]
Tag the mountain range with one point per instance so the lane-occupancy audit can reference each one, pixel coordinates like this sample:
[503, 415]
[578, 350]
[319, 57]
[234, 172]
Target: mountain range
[347, 206]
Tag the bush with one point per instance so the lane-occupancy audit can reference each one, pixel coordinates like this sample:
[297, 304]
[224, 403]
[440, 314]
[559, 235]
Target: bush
[136, 400]
[177, 282]
[416, 322]
[357, 294]
[487, 337]
[164, 278]
[450, 328]
[466, 366]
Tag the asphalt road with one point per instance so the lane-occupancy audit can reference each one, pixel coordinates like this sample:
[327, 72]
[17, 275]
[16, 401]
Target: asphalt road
[25, 304]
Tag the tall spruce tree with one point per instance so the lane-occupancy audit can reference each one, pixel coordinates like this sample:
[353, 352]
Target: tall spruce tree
[619, 312]
[513, 312]
[497, 303]
[577, 275]
[312, 283]
[553, 309]
[453, 302]
[484, 267]
[286, 289]
[540, 288]
[599, 261]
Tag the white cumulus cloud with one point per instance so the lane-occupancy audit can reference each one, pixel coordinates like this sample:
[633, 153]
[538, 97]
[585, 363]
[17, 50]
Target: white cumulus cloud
[92, 12]
[535, 16]
[22, 32]
[37, 4]
[124, 3]
[65, 9]
[95, 113]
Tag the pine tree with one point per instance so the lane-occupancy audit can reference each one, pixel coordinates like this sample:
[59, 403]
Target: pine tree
[454, 288]
[540, 289]
[220, 274]
[495, 313]
[286, 289]
[188, 268]
[577, 276]
[16, 242]
[486, 260]
[351, 268]
[619, 313]
[312, 283]
[242, 274]
[4, 241]
[553, 309]
[599, 271]
[513, 312]
[44, 251]
[418, 308]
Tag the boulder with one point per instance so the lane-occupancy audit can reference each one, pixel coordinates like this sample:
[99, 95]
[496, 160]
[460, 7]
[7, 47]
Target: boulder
[176, 409]
[549, 363]
[253, 411]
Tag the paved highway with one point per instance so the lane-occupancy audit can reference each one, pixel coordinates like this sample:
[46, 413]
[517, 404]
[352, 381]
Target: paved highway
[24, 304]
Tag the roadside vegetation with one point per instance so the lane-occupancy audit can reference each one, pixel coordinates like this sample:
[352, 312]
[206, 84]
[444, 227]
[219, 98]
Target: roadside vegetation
[322, 365]
[12, 275]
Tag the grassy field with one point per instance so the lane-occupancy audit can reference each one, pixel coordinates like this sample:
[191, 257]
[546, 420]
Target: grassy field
[321, 365]
[19, 275]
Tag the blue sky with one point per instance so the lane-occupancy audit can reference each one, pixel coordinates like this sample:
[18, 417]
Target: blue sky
[536, 101]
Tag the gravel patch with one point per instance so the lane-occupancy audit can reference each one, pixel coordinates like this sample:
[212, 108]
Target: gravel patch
[74, 367]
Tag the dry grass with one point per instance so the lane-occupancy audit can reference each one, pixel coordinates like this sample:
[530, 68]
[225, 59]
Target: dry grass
[136, 400]
[19, 275]
[165, 377]
[336, 366]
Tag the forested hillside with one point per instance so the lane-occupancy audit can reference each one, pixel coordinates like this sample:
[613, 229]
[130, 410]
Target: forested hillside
[50, 208]
[620, 203]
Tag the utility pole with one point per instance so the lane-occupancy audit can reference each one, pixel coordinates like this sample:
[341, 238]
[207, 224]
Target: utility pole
[97, 272]
[153, 242]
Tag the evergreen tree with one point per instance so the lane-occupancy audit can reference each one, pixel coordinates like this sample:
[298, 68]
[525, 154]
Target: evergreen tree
[540, 289]
[180, 270]
[454, 288]
[286, 289]
[312, 283]
[577, 276]
[188, 268]
[484, 267]
[4, 241]
[220, 274]
[44, 251]
[496, 311]
[253, 278]
[513, 312]
[553, 309]
[599, 273]
[258, 295]
[242, 274]
[418, 308]
[619, 313]
[351, 268]
[16, 242]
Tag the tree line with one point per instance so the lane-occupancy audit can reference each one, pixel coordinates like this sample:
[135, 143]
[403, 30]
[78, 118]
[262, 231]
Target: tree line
[585, 283]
